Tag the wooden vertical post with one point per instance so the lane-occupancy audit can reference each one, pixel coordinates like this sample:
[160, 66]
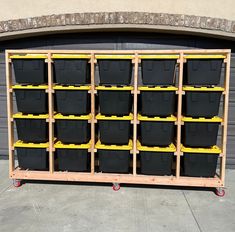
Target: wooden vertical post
[135, 119]
[225, 116]
[10, 122]
[179, 114]
[51, 114]
[92, 113]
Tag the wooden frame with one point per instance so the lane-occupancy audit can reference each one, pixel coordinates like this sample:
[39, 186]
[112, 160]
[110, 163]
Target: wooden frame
[92, 176]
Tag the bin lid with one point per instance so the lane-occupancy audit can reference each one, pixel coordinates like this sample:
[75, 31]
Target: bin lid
[72, 117]
[30, 87]
[210, 150]
[201, 119]
[20, 143]
[207, 89]
[70, 56]
[157, 88]
[120, 88]
[159, 56]
[71, 87]
[171, 118]
[170, 148]
[29, 56]
[114, 117]
[204, 56]
[30, 116]
[59, 145]
[99, 145]
[115, 56]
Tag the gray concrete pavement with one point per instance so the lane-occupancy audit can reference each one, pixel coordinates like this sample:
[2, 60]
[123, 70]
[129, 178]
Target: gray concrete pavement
[56, 207]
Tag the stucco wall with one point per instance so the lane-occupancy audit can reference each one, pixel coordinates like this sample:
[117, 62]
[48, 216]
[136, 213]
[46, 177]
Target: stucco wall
[15, 9]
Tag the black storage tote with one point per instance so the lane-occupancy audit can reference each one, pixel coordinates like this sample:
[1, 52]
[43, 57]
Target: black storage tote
[115, 71]
[157, 101]
[200, 162]
[32, 128]
[114, 129]
[31, 101]
[69, 71]
[158, 71]
[156, 131]
[72, 158]
[202, 101]
[156, 160]
[200, 132]
[115, 100]
[72, 100]
[72, 129]
[202, 71]
[30, 70]
[114, 158]
[32, 156]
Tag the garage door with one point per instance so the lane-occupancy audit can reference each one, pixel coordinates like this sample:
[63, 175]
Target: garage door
[117, 41]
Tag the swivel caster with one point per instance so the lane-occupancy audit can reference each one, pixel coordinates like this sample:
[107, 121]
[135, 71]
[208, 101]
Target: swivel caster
[116, 186]
[17, 183]
[219, 192]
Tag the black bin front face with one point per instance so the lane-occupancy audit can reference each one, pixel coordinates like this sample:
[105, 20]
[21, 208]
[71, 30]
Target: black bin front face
[115, 72]
[32, 101]
[73, 131]
[200, 164]
[76, 102]
[158, 72]
[156, 133]
[116, 161]
[156, 163]
[73, 160]
[114, 131]
[157, 103]
[198, 134]
[30, 71]
[33, 158]
[32, 130]
[203, 72]
[115, 102]
[71, 71]
[202, 104]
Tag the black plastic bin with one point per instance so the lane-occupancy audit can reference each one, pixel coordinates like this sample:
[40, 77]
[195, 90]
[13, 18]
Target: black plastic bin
[72, 71]
[31, 101]
[200, 162]
[157, 101]
[115, 71]
[73, 158]
[30, 71]
[156, 160]
[72, 129]
[156, 131]
[200, 103]
[158, 71]
[72, 101]
[33, 157]
[114, 130]
[115, 100]
[114, 158]
[32, 129]
[202, 71]
[200, 132]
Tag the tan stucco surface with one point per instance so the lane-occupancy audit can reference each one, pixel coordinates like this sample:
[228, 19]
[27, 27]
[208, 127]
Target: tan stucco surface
[16, 9]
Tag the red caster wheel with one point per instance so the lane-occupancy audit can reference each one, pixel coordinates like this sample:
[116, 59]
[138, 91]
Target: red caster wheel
[17, 183]
[219, 192]
[116, 187]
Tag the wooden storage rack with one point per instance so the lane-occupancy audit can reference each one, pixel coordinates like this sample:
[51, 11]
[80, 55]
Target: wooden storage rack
[136, 55]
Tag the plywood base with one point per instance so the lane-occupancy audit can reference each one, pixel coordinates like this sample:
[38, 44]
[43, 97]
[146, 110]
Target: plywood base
[117, 178]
